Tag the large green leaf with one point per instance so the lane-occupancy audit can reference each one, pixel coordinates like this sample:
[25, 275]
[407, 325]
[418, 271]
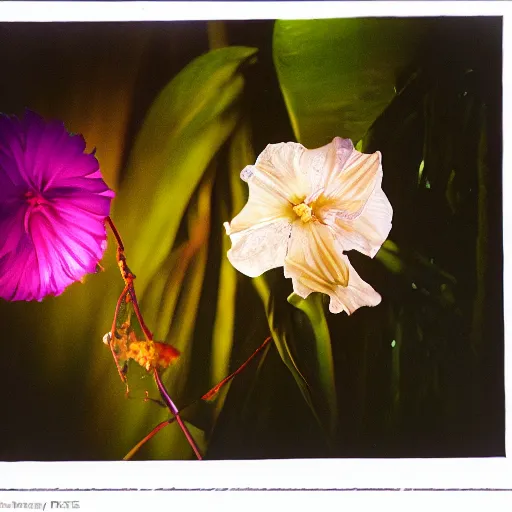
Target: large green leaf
[184, 128]
[240, 155]
[314, 310]
[280, 330]
[338, 75]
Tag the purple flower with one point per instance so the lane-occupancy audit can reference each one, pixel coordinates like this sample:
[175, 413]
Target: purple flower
[53, 205]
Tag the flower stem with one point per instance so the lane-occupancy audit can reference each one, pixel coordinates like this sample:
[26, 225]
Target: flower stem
[207, 396]
[128, 278]
[116, 234]
[175, 412]
[215, 389]
[142, 442]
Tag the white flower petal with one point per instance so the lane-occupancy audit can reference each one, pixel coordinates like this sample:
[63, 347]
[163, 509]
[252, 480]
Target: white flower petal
[323, 165]
[316, 263]
[351, 189]
[367, 232]
[259, 233]
[315, 257]
[278, 169]
[358, 293]
[260, 247]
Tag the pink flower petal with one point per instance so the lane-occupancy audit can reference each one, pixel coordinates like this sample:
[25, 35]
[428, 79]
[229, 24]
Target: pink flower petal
[11, 150]
[19, 279]
[9, 227]
[52, 208]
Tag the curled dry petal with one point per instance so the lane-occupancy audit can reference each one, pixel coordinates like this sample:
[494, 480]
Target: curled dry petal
[305, 209]
[152, 355]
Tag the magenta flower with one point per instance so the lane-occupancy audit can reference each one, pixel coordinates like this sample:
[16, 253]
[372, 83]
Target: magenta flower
[53, 205]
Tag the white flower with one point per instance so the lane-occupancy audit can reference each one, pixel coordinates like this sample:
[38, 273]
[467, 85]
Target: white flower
[305, 208]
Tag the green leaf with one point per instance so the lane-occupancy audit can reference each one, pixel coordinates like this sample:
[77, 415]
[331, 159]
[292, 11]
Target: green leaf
[184, 128]
[173, 324]
[279, 333]
[179, 328]
[314, 310]
[240, 155]
[338, 75]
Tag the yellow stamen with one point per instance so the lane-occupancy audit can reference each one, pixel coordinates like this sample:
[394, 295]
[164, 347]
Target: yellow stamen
[304, 212]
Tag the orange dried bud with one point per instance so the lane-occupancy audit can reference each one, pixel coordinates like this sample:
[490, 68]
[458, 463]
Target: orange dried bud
[152, 354]
[167, 354]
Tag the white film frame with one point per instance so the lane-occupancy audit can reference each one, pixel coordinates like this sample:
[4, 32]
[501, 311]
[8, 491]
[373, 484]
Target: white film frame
[334, 474]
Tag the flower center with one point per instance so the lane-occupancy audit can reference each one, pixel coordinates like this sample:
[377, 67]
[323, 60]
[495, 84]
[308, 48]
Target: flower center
[304, 212]
[35, 200]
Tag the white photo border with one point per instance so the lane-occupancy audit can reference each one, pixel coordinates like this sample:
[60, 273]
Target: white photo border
[333, 475]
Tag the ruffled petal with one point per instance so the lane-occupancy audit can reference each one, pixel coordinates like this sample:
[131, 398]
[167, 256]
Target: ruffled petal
[11, 229]
[52, 154]
[85, 242]
[41, 140]
[315, 262]
[96, 204]
[315, 257]
[368, 231]
[65, 253]
[278, 169]
[53, 205]
[68, 213]
[19, 273]
[259, 248]
[9, 189]
[78, 185]
[358, 293]
[259, 233]
[354, 185]
[322, 165]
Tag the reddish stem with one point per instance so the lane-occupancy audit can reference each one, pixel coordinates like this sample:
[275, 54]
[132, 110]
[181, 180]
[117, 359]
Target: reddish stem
[119, 241]
[157, 429]
[118, 305]
[144, 327]
[207, 396]
[113, 333]
[128, 278]
[225, 380]
[174, 410]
